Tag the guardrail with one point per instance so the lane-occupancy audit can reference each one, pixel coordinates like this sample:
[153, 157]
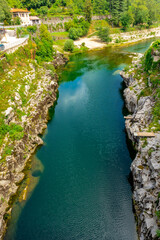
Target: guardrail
[11, 47]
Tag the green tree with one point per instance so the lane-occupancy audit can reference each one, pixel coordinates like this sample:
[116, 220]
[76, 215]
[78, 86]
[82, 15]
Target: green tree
[44, 45]
[36, 3]
[116, 12]
[69, 45]
[100, 6]
[73, 33]
[70, 6]
[14, 3]
[126, 19]
[140, 11]
[4, 12]
[88, 11]
[103, 34]
[43, 10]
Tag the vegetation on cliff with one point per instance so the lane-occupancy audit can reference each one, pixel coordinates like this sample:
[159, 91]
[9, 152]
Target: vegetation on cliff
[17, 81]
[142, 97]
[148, 72]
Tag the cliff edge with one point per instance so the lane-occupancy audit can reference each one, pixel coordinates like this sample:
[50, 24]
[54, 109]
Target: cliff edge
[142, 98]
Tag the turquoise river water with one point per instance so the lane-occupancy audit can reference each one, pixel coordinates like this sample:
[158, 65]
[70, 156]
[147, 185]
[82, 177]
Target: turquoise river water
[83, 192]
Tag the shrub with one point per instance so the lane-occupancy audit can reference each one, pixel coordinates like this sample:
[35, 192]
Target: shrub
[68, 25]
[103, 34]
[32, 29]
[126, 19]
[69, 45]
[80, 32]
[73, 33]
[77, 28]
[21, 32]
[158, 233]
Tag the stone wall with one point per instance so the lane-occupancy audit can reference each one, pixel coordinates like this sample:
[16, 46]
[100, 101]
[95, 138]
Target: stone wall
[56, 20]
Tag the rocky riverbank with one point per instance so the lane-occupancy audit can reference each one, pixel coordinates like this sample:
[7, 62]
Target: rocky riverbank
[119, 38]
[15, 154]
[146, 166]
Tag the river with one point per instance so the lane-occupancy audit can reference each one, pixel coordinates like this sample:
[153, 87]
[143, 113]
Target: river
[84, 191]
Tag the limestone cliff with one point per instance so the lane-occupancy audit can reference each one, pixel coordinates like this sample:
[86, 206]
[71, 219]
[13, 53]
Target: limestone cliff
[39, 94]
[142, 101]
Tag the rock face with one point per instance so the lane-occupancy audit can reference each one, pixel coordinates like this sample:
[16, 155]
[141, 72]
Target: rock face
[11, 172]
[146, 166]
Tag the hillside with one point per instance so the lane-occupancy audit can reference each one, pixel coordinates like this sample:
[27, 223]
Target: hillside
[121, 13]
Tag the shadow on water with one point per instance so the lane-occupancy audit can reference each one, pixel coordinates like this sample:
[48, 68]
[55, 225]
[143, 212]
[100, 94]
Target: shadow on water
[132, 151]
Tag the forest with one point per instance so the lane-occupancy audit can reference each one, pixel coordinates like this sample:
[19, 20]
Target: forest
[119, 12]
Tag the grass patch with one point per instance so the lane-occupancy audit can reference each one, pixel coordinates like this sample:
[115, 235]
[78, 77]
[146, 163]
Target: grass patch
[60, 34]
[59, 44]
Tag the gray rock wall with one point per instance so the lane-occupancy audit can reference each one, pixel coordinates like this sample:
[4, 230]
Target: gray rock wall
[146, 166]
[56, 20]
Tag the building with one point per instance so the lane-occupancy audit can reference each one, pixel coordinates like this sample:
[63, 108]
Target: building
[22, 14]
[34, 20]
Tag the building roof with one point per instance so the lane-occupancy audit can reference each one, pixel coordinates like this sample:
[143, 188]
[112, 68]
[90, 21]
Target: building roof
[33, 18]
[16, 10]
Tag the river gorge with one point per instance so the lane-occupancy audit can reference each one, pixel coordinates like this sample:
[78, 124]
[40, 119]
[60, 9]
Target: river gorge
[83, 189]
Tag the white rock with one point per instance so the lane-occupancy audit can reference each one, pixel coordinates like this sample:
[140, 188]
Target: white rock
[8, 111]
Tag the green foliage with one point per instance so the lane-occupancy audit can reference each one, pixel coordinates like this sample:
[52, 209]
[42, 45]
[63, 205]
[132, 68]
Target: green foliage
[158, 214]
[144, 13]
[69, 24]
[126, 68]
[33, 12]
[15, 132]
[15, 3]
[21, 32]
[158, 232]
[149, 74]
[32, 29]
[35, 4]
[100, 6]
[103, 34]
[16, 21]
[69, 45]
[55, 10]
[148, 58]
[126, 19]
[44, 43]
[88, 11]
[4, 128]
[77, 28]
[42, 10]
[74, 33]
[4, 12]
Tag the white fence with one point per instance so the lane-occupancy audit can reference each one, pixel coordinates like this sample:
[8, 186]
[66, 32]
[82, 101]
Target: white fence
[14, 44]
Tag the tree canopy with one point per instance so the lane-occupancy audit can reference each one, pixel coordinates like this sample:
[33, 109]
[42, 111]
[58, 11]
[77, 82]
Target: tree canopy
[4, 11]
[122, 12]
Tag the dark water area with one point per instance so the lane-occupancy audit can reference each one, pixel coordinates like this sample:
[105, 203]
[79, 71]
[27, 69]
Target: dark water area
[84, 192]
